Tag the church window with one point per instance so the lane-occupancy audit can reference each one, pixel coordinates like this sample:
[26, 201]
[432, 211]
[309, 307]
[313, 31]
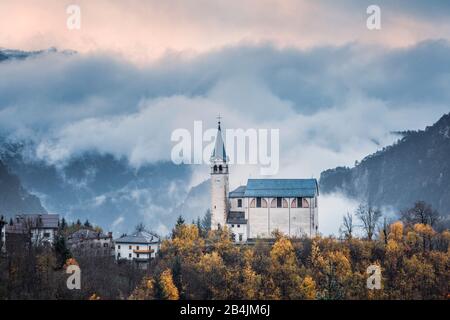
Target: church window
[215, 168]
[238, 225]
[305, 203]
[299, 203]
[258, 202]
[220, 168]
[240, 236]
[232, 225]
[239, 204]
[279, 202]
[252, 203]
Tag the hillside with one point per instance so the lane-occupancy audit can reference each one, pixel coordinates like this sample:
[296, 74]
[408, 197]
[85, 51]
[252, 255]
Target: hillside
[101, 188]
[417, 167]
[14, 199]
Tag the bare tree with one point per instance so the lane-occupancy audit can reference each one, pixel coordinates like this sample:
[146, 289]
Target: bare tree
[140, 227]
[347, 226]
[422, 212]
[369, 217]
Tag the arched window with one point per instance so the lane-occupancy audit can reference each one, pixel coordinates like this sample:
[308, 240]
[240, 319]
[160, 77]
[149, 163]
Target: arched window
[273, 203]
[220, 168]
[305, 203]
[294, 203]
[215, 168]
[261, 203]
[279, 203]
[252, 203]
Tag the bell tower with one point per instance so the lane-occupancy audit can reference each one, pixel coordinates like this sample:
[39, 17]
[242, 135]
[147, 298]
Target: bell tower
[219, 182]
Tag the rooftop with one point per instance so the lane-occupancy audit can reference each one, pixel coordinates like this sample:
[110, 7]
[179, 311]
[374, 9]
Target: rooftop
[22, 222]
[139, 237]
[86, 234]
[281, 188]
[238, 192]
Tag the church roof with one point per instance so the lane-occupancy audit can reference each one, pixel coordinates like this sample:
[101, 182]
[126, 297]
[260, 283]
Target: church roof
[281, 188]
[219, 147]
[238, 192]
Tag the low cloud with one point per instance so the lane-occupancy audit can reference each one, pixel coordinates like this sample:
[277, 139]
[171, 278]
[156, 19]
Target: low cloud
[333, 105]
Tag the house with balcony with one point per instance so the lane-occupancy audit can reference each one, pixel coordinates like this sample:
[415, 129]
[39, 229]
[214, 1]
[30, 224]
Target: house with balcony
[140, 247]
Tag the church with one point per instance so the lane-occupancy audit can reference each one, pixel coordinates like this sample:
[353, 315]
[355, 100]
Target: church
[262, 206]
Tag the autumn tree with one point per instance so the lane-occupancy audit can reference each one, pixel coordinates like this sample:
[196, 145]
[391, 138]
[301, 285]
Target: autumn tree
[421, 213]
[347, 226]
[369, 217]
[168, 289]
[284, 268]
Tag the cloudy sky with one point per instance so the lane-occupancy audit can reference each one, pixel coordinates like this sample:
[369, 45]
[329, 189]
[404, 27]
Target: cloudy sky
[312, 69]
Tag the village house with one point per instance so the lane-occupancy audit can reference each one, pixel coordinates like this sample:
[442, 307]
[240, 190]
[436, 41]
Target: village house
[89, 242]
[256, 210]
[139, 247]
[39, 229]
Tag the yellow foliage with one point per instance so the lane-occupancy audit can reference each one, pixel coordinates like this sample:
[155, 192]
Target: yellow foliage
[169, 290]
[308, 288]
[396, 231]
[392, 247]
[341, 263]
[283, 252]
[424, 229]
[145, 291]
[210, 261]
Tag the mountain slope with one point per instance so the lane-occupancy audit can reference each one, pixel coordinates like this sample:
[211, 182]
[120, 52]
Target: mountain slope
[14, 199]
[417, 167]
[101, 188]
[196, 203]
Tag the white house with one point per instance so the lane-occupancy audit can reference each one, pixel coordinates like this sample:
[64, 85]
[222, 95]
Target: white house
[139, 247]
[42, 228]
[262, 206]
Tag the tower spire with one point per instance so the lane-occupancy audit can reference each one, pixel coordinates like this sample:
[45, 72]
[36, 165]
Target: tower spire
[219, 152]
[218, 122]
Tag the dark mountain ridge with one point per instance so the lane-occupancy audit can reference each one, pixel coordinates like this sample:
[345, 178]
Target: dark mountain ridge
[416, 167]
[14, 199]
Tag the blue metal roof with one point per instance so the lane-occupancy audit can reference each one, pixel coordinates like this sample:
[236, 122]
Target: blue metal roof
[281, 188]
[238, 192]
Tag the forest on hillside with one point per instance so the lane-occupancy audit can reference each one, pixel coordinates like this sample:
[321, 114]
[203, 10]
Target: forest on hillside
[414, 261]
[196, 263]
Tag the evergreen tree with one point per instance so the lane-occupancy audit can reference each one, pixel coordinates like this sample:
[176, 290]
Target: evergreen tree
[87, 224]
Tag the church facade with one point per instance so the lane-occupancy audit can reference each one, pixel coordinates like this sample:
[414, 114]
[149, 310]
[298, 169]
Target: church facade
[262, 206]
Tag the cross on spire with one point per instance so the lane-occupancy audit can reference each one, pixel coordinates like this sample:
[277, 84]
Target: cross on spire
[218, 121]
